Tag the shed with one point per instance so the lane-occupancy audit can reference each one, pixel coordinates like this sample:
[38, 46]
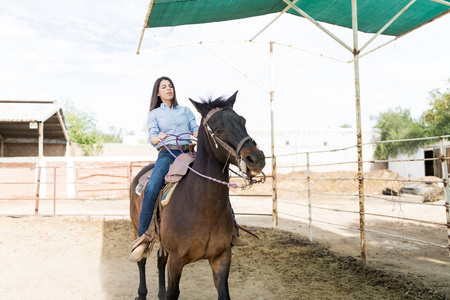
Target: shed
[32, 128]
[424, 162]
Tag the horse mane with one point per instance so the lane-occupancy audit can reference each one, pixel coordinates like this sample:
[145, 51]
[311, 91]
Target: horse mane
[219, 102]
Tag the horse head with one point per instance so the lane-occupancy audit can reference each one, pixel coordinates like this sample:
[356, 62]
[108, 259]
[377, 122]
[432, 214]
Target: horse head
[228, 136]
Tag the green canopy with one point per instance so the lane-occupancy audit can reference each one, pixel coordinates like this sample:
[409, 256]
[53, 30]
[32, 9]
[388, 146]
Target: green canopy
[372, 14]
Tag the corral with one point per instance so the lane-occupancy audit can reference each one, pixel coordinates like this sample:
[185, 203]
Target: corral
[82, 252]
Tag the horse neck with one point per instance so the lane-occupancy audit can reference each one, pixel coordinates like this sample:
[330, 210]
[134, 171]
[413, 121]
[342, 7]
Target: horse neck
[207, 165]
[206, 161]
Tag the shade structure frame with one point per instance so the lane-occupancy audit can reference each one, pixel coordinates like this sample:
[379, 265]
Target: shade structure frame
[357, 53]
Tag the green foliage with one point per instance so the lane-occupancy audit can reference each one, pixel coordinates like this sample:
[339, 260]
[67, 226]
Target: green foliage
[114, 135]
[438, 116]
[346, 125]
[398, 124]
[82, 130]
[395, 125]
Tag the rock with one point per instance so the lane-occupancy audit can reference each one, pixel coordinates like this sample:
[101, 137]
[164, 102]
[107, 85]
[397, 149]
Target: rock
[430, 191]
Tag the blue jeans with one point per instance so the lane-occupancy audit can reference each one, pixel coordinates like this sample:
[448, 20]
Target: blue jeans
[154, 185]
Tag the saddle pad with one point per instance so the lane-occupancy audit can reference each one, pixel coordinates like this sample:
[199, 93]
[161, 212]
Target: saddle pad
[179, 167]
[167, 193]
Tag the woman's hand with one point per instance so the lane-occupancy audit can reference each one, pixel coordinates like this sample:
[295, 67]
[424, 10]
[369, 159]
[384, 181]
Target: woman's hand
[195, 134]
[156, 139]
[162, 136]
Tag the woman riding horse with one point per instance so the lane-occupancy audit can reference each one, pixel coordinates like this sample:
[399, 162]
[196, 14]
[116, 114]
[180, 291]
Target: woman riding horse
[166, 120]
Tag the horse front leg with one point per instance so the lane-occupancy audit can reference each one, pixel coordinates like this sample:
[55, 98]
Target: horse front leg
[142, 290]
[174, 270]
[220, 266]
[162, 262]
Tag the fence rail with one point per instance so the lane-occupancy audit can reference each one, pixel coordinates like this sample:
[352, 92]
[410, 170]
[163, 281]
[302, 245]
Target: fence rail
[306, 187]
[442, 208]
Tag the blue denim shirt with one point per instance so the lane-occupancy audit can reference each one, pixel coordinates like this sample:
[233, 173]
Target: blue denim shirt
[171, 121]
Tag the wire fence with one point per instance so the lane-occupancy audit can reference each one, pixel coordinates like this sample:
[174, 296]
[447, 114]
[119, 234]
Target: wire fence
[306, 191]
[388, 197]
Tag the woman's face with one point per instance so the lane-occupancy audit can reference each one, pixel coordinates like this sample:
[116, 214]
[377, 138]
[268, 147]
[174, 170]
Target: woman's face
[165, 91]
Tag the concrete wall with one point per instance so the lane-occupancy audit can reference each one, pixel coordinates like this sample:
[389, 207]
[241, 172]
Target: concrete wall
[408, 168]
[301, 140]
[116, 150]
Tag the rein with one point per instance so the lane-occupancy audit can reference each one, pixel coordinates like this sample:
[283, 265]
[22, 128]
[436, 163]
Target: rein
[232, 185]
[228, 148]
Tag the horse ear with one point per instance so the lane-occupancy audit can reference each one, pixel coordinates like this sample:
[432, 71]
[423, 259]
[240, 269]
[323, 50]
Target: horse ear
[199, 107]
[232, 99]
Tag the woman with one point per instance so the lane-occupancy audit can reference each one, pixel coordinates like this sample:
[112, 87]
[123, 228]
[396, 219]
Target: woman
[165, 118]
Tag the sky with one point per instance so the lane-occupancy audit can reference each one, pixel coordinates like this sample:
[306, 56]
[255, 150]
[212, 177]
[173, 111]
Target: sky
[85, 52]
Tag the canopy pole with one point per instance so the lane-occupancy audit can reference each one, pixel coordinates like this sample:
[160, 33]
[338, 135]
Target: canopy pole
[273, 21]
[304, 14]
[442, 2]
[150, 6]
[272, 145]
[359, 132]
[387, 24]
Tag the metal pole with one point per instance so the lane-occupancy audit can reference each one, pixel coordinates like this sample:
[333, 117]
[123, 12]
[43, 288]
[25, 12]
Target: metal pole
[308, 178]
[272, 139]
[446, 187]
[2, 146]
[38, 187]
[54, 190]
[150, 6]
[41, 139]
[359, 132]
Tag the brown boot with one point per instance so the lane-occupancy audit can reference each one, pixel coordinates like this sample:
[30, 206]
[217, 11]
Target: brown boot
[142, 247]
[236, 240]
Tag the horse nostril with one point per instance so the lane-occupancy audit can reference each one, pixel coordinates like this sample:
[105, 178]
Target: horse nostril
[251, 159]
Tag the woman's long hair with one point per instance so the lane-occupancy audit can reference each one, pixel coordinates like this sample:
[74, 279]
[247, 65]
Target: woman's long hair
[156, 101]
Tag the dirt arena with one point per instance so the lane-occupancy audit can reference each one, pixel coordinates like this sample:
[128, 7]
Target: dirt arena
[86, 257]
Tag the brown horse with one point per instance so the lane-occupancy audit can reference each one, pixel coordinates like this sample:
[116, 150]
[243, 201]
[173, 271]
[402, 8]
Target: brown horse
[198, 223]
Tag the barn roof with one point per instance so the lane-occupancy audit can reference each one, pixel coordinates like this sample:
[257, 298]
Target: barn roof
[18, 121]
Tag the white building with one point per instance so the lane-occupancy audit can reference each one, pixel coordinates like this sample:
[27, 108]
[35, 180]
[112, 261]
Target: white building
[291, 146]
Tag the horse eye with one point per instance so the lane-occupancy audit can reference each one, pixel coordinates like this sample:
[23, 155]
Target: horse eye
[217, 131]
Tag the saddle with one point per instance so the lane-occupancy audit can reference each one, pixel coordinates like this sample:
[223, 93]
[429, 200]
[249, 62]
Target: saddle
[176, 171]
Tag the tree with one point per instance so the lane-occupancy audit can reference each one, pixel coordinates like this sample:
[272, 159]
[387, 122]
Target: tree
[82, 130]
[114, 135]
[395, 125]
[438, 116]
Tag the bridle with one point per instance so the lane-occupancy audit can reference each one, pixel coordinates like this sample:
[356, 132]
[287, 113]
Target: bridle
[231, 151]
[234, 152]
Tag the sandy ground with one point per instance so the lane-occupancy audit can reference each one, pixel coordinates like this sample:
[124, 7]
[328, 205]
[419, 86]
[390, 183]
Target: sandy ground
[86, 258]
[69, 256]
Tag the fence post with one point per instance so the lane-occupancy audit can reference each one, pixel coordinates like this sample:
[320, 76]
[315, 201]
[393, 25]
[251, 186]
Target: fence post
[54, 190]
[38, 187]
[446, 188]
[308, 178]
